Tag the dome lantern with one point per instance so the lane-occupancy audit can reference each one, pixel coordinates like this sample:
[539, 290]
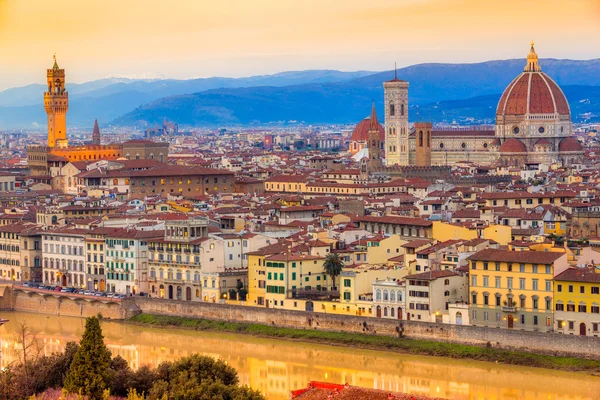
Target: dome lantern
[532, 61]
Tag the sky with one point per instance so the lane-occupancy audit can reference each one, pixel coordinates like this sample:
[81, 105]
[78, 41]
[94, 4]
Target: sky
[200, 38]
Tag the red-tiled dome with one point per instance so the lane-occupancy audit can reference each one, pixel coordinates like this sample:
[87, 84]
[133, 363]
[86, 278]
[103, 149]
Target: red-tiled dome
[543, 142]
[533, 92]
[361, 132]
[570, 144]
[512, 145]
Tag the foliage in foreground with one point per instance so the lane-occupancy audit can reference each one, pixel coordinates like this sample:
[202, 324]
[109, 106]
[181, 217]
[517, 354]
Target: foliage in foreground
[423, 347]
[87, 371]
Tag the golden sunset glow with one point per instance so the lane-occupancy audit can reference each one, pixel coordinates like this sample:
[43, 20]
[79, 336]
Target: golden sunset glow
[186, 38]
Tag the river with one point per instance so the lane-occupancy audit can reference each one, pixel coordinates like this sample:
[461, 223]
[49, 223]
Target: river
[277, 366]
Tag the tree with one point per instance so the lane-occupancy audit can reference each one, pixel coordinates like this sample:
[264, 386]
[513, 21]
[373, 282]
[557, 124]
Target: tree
[89, 373]
[333, 267]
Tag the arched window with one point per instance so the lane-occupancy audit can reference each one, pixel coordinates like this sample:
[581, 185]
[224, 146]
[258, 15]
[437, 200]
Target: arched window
[378, 295]
[428, 139]
[385, 295]
[392, 109]
[399, 295]
[420, 138]
[392, 295]
[401, 109]
[385, 312]
[446, 282]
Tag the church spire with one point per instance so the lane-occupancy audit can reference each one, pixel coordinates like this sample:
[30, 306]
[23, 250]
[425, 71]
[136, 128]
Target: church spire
[532, 60]
[96, 139]
[55, 66]
[374, 124]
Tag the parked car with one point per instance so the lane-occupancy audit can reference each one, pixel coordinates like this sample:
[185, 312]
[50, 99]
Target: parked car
[58, 289]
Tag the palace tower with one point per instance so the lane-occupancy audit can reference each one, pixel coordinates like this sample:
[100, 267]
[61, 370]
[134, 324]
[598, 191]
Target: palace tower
[56, 104]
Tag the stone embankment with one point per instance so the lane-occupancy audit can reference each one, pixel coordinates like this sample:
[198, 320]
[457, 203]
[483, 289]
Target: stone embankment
[26, 299]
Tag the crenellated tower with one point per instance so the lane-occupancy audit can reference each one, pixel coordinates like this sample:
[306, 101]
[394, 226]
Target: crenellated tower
[56, 104]
[396, 121]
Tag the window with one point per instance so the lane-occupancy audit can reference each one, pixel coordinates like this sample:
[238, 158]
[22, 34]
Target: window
[548, 269]
[347, 283]
[595, 327]
[521, 267]
[522, 319]
[497, 279]
[474, 315]
[486, 281]
[570, 288]
[509, 283]
[498, 299]
[497, 266]
[582, 308]
[474, 298]
[582, 289]
[534, 284]
[560, 307]
[548, 286]
[474, 280]
[571, 325]
[486, 299]
[535, 303]
[485, 315]
[559, 288]
[485, 266]
[595, 290]
[535, 268]
[571, 307]
[522, 301]
[535, 319]
[595, 309]
[522, 283]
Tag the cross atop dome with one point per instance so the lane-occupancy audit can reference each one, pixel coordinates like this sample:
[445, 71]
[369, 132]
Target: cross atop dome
[532, 60]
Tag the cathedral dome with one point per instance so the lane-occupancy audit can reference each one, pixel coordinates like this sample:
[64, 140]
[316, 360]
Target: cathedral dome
[533, 92]
[361, 132]
[513, 145]
[570, 144]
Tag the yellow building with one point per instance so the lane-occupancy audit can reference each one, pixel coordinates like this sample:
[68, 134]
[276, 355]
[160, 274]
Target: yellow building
[257, 276]
[577, 301]
[443, 231]
[513, 289]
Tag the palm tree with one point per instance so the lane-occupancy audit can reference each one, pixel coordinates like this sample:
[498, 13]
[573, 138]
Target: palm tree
[333, 266]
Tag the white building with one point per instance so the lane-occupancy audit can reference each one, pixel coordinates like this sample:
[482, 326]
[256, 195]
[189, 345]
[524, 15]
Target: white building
[429, 294]
[127, 260]
[64, 257]
[389, 299]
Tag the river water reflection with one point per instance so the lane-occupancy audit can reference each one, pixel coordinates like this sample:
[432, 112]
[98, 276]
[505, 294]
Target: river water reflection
[277, 366]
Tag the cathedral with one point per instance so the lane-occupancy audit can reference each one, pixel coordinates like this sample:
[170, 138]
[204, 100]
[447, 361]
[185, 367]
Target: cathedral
[58, 152]
[533, 127]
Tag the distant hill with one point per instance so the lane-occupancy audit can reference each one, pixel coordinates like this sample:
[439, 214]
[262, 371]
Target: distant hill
[306, 96]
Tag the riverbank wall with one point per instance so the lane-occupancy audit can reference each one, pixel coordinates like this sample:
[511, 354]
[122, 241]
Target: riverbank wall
[533, 342]
[44, 302]
[20, 299]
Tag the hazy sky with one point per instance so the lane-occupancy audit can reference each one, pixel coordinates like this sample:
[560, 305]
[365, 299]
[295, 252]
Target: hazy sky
[201, 38]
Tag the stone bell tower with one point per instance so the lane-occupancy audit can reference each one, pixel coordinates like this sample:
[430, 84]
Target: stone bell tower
[396, 121]
[56, 104]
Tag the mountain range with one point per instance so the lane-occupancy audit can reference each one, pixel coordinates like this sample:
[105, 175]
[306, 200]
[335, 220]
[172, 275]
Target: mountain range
[465, 93]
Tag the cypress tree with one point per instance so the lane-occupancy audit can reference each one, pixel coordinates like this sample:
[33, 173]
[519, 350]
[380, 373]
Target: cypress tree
[89, 373]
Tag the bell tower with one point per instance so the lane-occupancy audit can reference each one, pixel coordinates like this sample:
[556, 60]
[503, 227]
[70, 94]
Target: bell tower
[374, 145]
[56, 104]
[396, 121]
